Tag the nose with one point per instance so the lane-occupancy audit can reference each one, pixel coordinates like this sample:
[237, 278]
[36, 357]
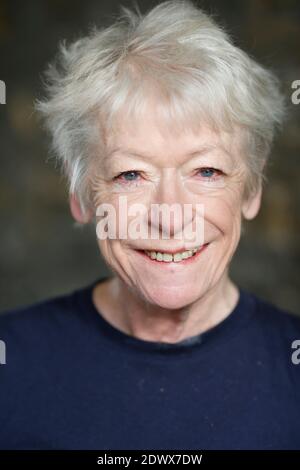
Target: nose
[171, 209]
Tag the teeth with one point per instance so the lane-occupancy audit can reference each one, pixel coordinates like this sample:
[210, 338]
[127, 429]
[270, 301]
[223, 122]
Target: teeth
[178, 256]
[168, 257]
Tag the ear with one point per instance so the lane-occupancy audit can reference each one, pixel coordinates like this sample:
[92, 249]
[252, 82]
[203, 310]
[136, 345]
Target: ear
[251, 205]
[77, 212]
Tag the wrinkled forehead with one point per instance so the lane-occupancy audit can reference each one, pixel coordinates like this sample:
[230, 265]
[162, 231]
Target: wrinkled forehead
[154, 131]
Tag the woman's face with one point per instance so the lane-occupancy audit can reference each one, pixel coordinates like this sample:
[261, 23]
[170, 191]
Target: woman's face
[146, 164]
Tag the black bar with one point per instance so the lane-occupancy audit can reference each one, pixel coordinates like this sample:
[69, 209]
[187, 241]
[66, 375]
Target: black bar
[132, 459]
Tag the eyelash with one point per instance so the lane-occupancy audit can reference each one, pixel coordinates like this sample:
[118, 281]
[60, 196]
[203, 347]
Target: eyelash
[119, 176]
[217, 172]
[212, 178]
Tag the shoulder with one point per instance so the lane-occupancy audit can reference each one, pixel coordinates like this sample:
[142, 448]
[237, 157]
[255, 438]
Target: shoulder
[274, 334]
[44, 319]
[276, 319]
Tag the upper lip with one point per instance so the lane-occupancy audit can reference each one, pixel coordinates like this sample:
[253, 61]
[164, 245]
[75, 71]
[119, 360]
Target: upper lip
[171, 252]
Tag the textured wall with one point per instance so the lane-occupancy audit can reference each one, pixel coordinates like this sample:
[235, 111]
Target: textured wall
[41, 253]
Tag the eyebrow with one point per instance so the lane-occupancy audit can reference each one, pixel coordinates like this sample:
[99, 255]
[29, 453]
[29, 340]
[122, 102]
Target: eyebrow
[204, 149]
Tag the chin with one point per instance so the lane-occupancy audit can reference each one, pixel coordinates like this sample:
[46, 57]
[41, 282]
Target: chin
[172, 299]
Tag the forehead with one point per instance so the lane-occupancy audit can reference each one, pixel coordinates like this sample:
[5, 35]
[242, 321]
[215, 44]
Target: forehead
[152, 134]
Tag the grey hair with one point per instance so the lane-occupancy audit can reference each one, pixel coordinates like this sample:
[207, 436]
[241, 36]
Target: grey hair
[179, 52]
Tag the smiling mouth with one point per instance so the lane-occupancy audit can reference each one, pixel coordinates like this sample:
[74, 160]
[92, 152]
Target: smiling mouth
[167, 257]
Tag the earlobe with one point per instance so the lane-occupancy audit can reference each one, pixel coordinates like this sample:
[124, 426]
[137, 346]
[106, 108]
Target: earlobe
[77, 212]
[251, 206]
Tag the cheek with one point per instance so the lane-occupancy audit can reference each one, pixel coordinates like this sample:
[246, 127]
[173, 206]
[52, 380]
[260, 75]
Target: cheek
[125, 209]
[113, 253]
[108, 195]
[222, 215]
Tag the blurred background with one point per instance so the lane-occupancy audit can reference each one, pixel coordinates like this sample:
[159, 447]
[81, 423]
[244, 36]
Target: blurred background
[42, 253]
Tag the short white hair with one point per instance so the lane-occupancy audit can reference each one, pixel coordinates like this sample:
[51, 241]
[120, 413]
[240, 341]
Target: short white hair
[175, 49]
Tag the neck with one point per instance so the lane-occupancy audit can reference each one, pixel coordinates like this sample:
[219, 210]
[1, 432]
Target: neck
[128, 312]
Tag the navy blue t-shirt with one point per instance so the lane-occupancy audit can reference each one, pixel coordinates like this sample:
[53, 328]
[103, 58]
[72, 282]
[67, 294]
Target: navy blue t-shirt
[74, 381]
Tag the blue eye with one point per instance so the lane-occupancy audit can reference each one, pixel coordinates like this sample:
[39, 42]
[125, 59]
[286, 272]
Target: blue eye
[128, 176]
[207, 172]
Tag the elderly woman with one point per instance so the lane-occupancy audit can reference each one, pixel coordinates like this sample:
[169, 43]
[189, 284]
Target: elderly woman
[153, 113]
